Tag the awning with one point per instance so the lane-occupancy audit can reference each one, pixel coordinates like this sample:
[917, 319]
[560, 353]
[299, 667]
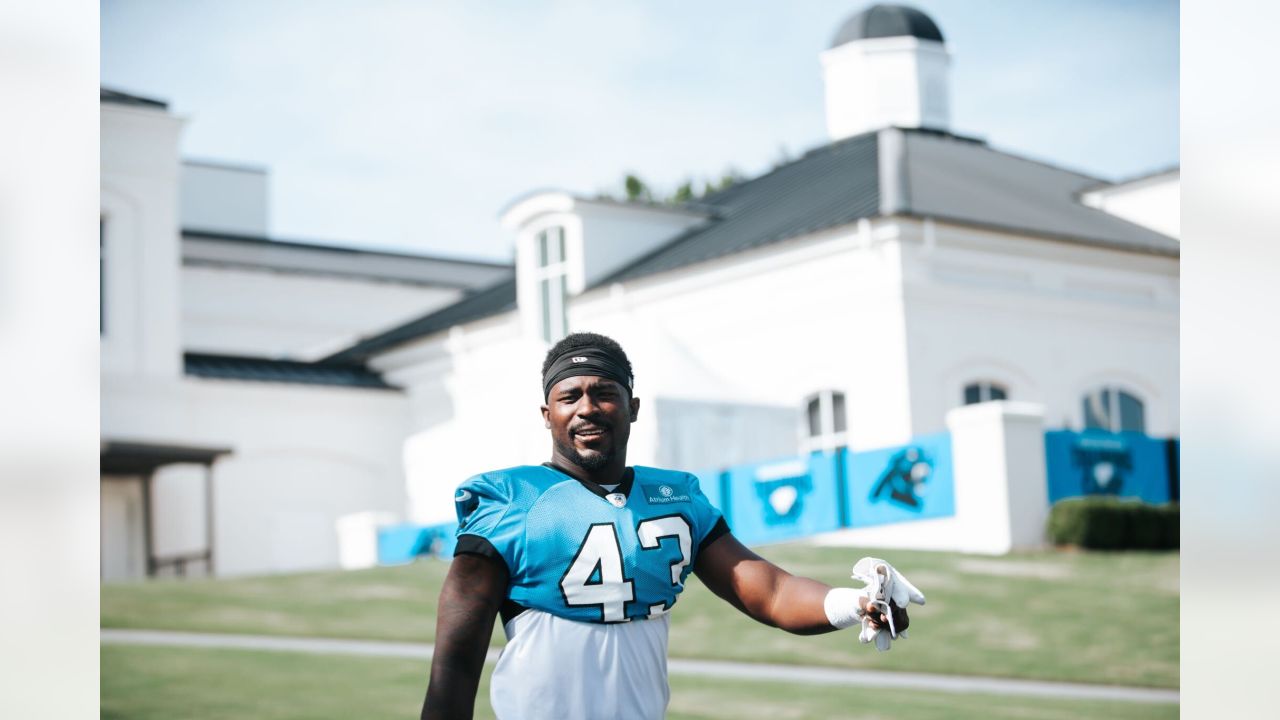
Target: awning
[137, 458]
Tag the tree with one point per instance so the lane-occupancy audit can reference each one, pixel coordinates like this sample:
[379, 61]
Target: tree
[684, 193]
[637, 190]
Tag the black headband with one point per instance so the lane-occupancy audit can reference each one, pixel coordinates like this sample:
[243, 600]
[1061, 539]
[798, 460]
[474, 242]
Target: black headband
[586, 361]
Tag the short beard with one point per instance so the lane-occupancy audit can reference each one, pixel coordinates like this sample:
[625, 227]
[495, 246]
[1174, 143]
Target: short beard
[590, 463]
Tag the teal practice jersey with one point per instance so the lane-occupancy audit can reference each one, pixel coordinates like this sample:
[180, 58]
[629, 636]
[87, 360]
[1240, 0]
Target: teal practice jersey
[579, 552]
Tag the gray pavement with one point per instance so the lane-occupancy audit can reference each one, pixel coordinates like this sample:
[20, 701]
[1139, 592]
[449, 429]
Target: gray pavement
[703, 668]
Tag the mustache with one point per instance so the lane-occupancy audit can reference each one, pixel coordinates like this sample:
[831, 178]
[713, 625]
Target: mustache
[590, 426]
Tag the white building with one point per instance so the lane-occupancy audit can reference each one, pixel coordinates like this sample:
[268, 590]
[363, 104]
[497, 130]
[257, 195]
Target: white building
[224, 444]
[851, 297]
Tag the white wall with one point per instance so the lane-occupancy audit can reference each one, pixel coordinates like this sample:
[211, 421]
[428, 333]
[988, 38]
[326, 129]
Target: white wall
[1153, 202]
[771, 327]
[616, 234]
[474, 395]
[123, 552]
[1048, 319]
[180, 491]
[270, 314]
[882, 82]
[139, 197]
[743, 433]
[224, 198]
[302, 457]
[761, 329]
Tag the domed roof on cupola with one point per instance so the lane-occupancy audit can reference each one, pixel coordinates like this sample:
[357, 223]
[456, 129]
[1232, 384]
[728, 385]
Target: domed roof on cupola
[880, 21]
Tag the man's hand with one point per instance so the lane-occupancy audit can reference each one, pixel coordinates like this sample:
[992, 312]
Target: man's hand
[877, 618]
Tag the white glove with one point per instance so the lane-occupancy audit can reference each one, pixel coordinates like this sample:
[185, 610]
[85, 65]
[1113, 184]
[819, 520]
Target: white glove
[883, 584]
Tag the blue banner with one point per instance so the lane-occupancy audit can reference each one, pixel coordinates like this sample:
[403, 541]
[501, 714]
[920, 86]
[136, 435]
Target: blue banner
[1127, 464]
[710, 482]
[402, 543]
[792, 498]
[783, 499]
[903, 483]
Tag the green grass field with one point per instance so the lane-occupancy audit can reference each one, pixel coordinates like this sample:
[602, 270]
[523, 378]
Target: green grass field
[1084, 617]
[141, 683]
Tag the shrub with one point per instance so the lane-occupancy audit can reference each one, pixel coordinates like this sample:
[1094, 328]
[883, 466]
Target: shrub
[1109, 523]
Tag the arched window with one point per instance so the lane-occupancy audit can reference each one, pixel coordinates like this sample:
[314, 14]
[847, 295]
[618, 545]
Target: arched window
[552, 272]
[825, 420]
[1110, 408]
[984, 391]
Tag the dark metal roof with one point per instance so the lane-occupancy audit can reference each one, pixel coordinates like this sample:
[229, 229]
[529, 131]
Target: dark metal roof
[343, 249]
[137, 458]
[117, 97]
[920, 173]
[833, 185]
[232, 367]
[206, 247]
[494, 300]
[887, 21]
[1134, 179]
[970, 183]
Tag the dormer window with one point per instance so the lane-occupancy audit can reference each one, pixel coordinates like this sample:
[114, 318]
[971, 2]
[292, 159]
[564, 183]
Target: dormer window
[551, 275]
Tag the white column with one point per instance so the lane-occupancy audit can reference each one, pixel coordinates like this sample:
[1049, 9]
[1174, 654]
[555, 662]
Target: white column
[1002, 499]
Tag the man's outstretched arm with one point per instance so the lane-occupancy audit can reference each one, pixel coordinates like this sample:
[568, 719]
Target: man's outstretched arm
[769, 594]
[469, 601]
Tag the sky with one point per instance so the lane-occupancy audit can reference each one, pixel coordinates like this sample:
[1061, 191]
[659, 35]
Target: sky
[409, 126]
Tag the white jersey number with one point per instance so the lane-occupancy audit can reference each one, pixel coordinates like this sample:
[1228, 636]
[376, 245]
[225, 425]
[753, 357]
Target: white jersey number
[600, 551]
[652, 532]
[596, 577]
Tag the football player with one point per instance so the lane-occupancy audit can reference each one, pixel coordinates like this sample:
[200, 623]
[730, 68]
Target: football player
[584, 557]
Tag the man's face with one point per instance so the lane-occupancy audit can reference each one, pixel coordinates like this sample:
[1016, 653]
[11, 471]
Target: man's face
[590, 420]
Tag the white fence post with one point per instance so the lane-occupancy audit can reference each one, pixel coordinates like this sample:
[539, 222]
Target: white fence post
[1002, 497]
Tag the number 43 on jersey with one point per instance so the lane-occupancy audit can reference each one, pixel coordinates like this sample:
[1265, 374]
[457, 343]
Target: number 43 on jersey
[600, 557]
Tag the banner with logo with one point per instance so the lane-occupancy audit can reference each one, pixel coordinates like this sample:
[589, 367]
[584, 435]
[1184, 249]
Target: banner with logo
[783, 499]
[900, 484]
[1127, 464]
[404, 542]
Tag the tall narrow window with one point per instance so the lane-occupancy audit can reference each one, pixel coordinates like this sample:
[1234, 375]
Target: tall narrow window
[1110, 408]
[984, 391]
[553, 315]
[825, 420]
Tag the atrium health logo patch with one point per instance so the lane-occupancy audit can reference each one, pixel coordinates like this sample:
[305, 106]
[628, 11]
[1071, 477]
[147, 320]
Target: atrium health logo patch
[666, 493]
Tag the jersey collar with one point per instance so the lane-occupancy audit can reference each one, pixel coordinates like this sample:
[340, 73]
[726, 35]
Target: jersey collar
[624, 486]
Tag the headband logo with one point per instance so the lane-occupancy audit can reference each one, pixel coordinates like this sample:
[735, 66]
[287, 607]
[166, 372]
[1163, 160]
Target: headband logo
[578, 359]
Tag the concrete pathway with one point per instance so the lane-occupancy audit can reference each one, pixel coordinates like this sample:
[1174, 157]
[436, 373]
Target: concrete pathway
[703, 668]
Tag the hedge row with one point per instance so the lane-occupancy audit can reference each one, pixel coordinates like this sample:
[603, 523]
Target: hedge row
[1109, 523]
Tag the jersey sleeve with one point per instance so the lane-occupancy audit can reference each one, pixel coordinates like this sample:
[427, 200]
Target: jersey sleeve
[708, 522]
[487, 524]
